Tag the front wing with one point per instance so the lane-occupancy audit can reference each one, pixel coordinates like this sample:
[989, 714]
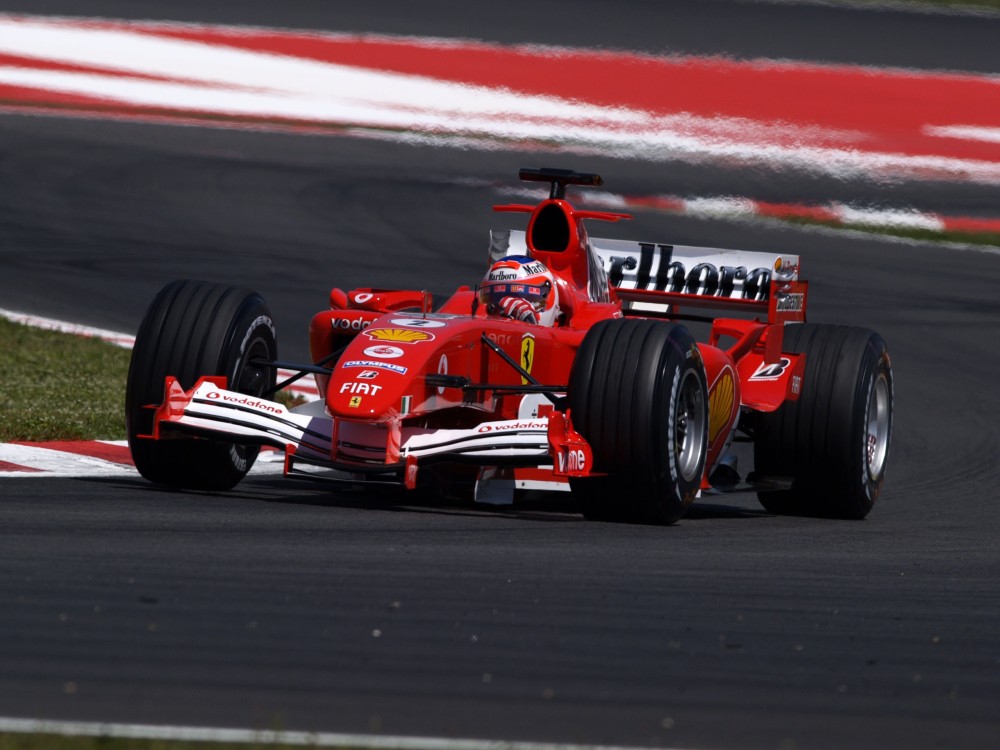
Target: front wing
[210, 411]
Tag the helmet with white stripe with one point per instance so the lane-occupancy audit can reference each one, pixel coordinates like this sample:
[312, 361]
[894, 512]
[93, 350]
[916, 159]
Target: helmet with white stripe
[518, 277]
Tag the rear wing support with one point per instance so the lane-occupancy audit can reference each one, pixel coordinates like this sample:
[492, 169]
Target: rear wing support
[559, 179]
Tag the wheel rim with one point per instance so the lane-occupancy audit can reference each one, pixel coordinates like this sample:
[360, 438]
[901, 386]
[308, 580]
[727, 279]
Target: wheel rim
[251, 379]
[878, 426]
[690, 426]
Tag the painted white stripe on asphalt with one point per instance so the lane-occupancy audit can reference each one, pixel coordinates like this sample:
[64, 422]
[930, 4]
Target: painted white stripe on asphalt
[55, 463]
[325, 739]
[964, 132]
[51, 463]
[891, 219]
[219, 78]
[720, 207]
[51, 324]
[518, 118]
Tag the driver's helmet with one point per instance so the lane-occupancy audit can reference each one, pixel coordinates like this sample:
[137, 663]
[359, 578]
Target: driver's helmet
[520, 287]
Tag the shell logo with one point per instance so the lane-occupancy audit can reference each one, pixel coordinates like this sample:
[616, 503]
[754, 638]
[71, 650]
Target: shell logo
[720, 404]
[399, 335]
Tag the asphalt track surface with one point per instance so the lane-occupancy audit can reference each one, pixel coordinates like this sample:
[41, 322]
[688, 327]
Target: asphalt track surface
[285, 604]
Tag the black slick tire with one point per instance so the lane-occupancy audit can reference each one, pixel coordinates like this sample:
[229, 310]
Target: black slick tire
[833, 442]
[637, 393]
[193, 329]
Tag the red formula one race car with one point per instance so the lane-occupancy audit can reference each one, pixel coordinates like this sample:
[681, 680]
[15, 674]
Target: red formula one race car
[568, 367]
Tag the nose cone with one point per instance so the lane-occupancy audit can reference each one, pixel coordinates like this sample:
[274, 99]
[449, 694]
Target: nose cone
[383, 367]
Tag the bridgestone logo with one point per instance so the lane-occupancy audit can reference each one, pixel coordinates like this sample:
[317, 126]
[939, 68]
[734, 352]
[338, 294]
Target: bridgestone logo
[245, 401]
[790, 302]
[671, 437]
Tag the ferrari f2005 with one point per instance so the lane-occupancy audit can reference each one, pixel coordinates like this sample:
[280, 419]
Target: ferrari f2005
[570, 366]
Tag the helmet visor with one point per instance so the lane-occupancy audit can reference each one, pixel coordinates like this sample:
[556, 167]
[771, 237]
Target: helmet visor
[492, 292]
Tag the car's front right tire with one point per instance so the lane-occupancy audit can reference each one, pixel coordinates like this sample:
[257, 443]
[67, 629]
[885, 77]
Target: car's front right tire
[637, 394]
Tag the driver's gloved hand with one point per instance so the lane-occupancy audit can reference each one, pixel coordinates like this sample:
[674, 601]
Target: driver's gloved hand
[518, 309]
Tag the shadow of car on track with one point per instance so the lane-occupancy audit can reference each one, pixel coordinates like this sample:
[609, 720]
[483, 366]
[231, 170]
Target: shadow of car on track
[549, 507]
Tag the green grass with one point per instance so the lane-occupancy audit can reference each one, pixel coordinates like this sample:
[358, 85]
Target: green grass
[55, 386]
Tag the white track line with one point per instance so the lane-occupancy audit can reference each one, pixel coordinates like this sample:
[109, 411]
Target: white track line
[321, 739]
[51, 324]
[52, 463]
[49, 463]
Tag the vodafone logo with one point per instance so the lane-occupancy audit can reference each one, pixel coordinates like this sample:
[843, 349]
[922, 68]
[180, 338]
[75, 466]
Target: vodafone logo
[510, 426]
[351, 324]
[573, 461]
[248, 401]
[384, 351]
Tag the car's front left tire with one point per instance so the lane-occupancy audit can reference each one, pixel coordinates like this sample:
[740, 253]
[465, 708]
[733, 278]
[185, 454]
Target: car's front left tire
[193, 329]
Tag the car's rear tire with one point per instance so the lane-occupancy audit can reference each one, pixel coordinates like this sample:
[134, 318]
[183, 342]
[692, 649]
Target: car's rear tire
[192, 329]
[833, 442]
[637, 393]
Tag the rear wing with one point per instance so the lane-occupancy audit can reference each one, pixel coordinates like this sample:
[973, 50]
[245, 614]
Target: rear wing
[649, 276]
[658, 278]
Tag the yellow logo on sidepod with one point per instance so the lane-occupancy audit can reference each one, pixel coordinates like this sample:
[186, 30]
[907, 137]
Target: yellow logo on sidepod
[399, 335]
[527, 355]
[720, 404]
